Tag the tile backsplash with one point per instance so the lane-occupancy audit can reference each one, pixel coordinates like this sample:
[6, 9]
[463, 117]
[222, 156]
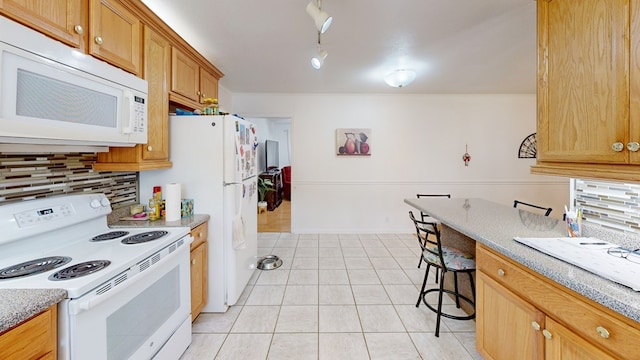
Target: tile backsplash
[609, 204]
[31, 176]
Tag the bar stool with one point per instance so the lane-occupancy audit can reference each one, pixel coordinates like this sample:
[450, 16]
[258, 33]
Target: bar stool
[547, 210]
[428, 218]
[446, 259]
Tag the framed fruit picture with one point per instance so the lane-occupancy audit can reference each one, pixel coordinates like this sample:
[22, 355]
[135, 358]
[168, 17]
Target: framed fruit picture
[353, 142]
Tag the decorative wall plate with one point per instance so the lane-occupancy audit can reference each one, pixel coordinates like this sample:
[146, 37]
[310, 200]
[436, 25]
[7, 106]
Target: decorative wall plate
[528, 147]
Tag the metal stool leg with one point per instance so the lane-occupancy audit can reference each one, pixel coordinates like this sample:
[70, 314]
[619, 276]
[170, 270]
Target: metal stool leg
[439, 312]
[473, 291]
[424, 284]
[455, 286]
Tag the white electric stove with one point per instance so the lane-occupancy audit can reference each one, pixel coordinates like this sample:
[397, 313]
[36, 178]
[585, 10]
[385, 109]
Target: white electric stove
[128, 292]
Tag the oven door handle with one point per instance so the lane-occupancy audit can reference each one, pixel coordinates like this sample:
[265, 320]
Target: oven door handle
[76, 308]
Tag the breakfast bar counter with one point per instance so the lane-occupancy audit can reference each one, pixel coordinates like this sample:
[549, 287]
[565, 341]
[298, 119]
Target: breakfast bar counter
[495, 225]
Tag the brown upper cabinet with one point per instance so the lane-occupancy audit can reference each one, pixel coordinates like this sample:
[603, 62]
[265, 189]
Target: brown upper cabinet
[115, 35]
[190, 82]
[155, 153]
[102, 28]
[63, 20]
[589, 89]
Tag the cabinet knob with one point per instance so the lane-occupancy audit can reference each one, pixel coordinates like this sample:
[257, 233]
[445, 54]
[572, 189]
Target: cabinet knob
[198, 92]
[78, 29]
[98, 40]
[535, 325]
[547, 334]
[500, 272]
[200, 234]
[617, 146]
[633, 146]
[603, 332]
[193, 262]
[149, 148]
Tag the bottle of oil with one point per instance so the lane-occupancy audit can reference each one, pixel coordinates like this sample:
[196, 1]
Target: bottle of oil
[154, 213]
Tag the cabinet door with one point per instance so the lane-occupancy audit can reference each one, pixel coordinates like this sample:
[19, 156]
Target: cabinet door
[157, 54]
[34, 339]
[583, 85]
[114, 35]
[563, 344]
[198, 279]
[60, 19]
[208, 85]
[504, 323]
[185, 75]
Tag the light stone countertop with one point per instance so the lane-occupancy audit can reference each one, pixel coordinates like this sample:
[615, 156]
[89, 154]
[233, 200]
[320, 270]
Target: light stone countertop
[190, 222]
[495, 225]
[19, 305]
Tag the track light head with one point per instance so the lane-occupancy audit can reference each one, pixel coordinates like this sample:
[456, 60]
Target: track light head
[318, 60]
[321, 19]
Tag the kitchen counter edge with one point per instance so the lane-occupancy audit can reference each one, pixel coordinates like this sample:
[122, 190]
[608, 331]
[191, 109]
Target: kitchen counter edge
[190, 222]
[19, 305]
[494, 225]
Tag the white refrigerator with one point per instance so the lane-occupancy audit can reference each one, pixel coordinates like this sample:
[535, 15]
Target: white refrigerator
[214, 160]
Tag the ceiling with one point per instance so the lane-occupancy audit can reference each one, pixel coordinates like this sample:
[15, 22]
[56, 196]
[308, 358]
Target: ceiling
[455, 46]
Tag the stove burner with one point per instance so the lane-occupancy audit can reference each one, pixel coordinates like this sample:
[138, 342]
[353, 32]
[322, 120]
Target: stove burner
[81, 269]
[109, 236]
[32, 267]
[144, 237]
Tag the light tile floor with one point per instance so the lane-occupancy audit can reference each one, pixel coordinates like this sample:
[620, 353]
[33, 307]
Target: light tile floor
[339, 296]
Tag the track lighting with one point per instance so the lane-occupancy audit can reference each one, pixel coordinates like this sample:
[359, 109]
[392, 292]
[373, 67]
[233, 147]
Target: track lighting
[321, 19]
[400, 78]
[318, 59]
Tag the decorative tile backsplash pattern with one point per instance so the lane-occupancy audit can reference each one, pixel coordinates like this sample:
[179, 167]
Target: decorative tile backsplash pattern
[29, 176]
[611, 205]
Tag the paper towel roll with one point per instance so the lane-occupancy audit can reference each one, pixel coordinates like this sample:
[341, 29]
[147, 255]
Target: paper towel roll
[172, 201]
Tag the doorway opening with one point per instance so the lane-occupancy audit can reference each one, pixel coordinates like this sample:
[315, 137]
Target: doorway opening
[274, 164]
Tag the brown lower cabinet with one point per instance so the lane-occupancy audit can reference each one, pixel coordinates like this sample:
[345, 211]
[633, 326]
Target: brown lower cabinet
[35, 338]
[198, 270]
[523, 315]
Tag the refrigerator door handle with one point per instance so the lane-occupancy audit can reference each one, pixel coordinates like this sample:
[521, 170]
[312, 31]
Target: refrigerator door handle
[224, 183]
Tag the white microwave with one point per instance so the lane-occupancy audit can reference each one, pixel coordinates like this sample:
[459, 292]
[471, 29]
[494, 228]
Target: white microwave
[53, 94]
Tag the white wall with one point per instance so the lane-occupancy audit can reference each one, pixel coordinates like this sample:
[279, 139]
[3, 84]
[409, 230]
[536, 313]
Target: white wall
[417, 143]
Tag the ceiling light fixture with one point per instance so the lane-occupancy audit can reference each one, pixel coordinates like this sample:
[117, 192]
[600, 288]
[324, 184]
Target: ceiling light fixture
[321, 19]
[400, 78]
[318, 59]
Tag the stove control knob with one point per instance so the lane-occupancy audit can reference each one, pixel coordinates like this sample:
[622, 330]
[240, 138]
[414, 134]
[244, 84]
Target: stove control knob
[105, 202]
[95, 203]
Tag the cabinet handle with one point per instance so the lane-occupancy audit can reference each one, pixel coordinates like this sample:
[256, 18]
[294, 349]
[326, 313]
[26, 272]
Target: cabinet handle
[633, 146]
[98, 40]
[617, 146]
[149, 148]
[603, 332]
[535, 325]
[500, 272]
[547, 334]
[78, 29]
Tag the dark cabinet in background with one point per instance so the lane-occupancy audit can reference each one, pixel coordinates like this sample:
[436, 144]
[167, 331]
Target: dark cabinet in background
[273, 198]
